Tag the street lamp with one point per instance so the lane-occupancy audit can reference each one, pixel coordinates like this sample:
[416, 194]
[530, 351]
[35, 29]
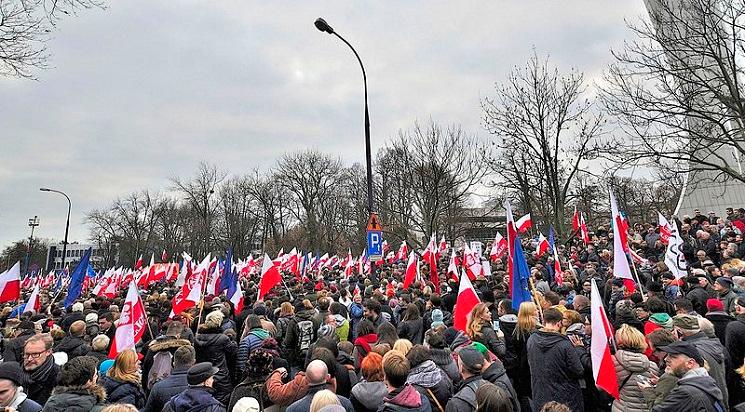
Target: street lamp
[32, 223]
[324, 27]
[67, 225]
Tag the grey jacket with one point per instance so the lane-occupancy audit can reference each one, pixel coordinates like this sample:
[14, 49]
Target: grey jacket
[714, 354]
[629, 367]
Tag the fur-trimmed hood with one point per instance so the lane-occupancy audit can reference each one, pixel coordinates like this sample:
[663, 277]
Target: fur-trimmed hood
[76, 398]
[167, 343]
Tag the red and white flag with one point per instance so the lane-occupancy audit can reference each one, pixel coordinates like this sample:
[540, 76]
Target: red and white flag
[453, 266]
[621, 267]
[33, 304]
[139, 263]
[270, 277]
[403, 251]
[471, 262]
[10, 284]
[600, 345]
[558, 274]
[498, 247]
[430, 256]
[131, 324]
[584, 233]
[164, 256]
[464, 303]
[575, 221]
[348, 264]
[524, 223]
[443, 245]
[191, 291]
[542, 246]
[412, 270]
[665, 229]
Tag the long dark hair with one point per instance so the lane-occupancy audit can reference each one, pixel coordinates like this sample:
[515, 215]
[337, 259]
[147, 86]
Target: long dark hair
[412, 312]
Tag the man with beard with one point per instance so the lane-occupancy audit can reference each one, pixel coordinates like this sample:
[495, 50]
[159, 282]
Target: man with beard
[39, 375]
[695, 389]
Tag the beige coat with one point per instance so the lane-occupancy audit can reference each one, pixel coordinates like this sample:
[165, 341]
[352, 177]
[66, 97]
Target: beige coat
[634, 365]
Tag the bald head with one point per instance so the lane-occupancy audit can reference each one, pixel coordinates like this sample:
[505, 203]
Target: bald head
[316, 372]
[77, 329]
[580, 302]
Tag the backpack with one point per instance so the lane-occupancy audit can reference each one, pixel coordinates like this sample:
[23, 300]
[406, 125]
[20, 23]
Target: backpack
[161, 369]
[304, 336]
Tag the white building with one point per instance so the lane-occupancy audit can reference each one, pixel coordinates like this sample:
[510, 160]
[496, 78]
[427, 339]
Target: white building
[75, 252]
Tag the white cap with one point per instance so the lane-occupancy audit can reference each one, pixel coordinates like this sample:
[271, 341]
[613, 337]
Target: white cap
[246, 404]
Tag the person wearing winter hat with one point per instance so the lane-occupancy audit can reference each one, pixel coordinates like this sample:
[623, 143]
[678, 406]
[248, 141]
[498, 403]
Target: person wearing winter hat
[213, 346]
[258, 369]
[11, 391]
[246, 405]
[717, 316]
[723, 287]
[470, 364]
[198, 396]
[14, 347]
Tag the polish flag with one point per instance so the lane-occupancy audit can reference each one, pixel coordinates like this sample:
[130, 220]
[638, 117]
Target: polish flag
[270, 277]
[164, 256]
[443, 245]
[349, 265]
[575, 221]
[191, 291]
[498, 247]
[33, 304]
[600, 345]
[542, 246]
[664, 229]
[430, 256]
[403, 251]
[621, 267]
[466, 300]
[583, 230]
[139, 263]
[558, 274]
[131, 324]
[453, 266]
[412, 270]
[10, 284]
[471, 262]
[524, 223]
[213, 284]
[362, 263]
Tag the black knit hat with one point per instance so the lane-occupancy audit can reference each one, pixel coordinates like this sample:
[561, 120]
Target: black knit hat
[259, 363]
[11, 371]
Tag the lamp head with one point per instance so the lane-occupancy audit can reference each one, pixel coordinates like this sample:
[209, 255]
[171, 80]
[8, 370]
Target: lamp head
[323, 26]
[44, 189]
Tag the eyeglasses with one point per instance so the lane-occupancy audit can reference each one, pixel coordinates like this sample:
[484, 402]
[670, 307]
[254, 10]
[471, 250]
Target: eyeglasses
[36, 355]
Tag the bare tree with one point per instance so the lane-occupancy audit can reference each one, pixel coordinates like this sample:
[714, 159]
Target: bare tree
[24, 30]
[544, 131]
[677, 90]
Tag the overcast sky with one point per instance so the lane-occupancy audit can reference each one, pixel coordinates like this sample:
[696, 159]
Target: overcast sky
[145, 90]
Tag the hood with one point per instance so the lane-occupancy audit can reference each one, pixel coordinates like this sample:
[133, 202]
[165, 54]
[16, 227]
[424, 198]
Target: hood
[69, 343]
[719, 316]
[459, 341]
[494, 372]
[632, 361]
[662, 319]
[702, 381]
[426, 375]
[306, 314]
[76, 398]
[260, 333]
[162, 343]
[707, 347]
[369, 393]
[546, 340]
[407, 397]
[191, 398]
[508, 318]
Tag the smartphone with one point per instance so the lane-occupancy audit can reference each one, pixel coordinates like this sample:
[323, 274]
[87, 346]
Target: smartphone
[643, 379]
[495, 325]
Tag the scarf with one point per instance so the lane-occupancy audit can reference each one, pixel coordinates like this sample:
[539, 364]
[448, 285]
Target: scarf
[366, 341]
[39, 374]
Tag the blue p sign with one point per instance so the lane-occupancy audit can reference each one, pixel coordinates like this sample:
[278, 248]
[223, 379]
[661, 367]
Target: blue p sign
[375, 245]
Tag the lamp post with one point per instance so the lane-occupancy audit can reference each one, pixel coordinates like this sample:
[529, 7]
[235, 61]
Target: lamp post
[324, 27]
[32, 223]
[67, 225]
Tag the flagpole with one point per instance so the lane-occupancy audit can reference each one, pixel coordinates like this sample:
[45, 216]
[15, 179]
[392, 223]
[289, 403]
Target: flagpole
[285, 285]
[638, 281]
[534, 294]
[201, 300]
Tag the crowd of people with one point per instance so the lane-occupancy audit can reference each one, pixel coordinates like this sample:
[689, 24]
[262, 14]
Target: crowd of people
[365, 343]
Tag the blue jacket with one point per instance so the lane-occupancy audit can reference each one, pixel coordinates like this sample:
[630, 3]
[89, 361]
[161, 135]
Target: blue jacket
[123, 392]
[165, 389]
[194, 399]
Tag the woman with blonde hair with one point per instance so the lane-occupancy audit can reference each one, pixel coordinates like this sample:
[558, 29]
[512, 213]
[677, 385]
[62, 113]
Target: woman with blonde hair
[403, 346]
[286, 312]
[479, 329]
[323, 398]
[123, 381]
[632, 367]
[527, 324]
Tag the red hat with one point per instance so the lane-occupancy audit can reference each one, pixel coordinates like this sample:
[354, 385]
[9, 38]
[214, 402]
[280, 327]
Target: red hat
[714, 305]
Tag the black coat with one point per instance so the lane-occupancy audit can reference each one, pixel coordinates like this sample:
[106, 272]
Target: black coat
[165, 389]
[124, 392]
[556, 368]
[69, 319]
[413, 330]
[698, 297]
[39, 388]
[720, 321]
[213, 346]
[73, 347]
[14, 347]
[253, 388]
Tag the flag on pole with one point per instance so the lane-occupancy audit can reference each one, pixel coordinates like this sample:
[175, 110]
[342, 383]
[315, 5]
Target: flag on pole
[558, 275]
[542, 246]
[521, 275]
[498, 247]
[33, 304]
[621, 267]
[270, 277]
[77, 277]
[411, 270]
[191, 291]
[443, 245]
[471, 262]
[464, 303]
[524, 223]
[164, 256]
[227, 277]
[234, 291]
[665, 228]
[601, 341]
[575, 221]
[453, 266]
[430, 256]
[131, 324]
[139, 263]
[583, 230]
[674, 259]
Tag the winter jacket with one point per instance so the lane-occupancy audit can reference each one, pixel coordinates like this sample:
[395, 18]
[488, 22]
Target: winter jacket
[713, 353]
[556, 367]
[656, 321]
[40, 382]
[70, 319]
[213, 346]
[159, 344]
[629, 367]
[290, 342]
[507, 324]
[76, 399]
[427, 377]
[253, 388]
[73, 347]
[696, 391]
[734, 340]
[413, 330]
[165, 389]
[657, 394]
[405, 398]
[13, 351]
[368, 396]
[497, 375]
[720, 321]
[728, 301]
[124, 392]
[698, 297]
[22, 403]
[284, 394]
[521, 379]
[303, 404]
[488, 337]
[342, 330]
[464, 399]
[283, 324]
[444, 360]
[194, 399]
[251, 342]
[356, 311]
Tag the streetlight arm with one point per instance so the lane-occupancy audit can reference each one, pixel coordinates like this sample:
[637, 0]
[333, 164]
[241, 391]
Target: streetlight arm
[364, 75]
